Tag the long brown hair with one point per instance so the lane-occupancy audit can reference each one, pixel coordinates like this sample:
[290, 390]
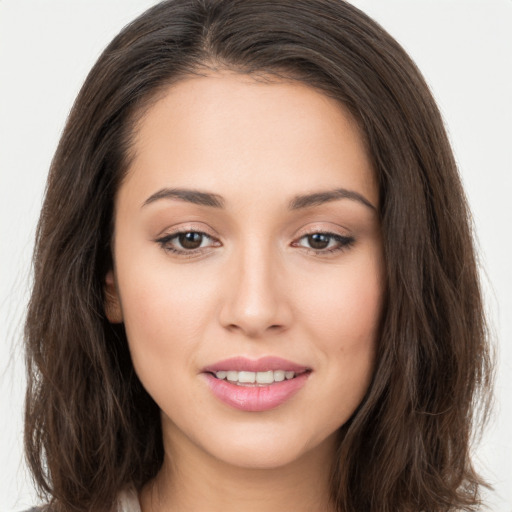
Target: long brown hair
[91, 428]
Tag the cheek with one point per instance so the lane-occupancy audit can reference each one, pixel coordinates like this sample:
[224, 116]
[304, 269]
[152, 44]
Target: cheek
[342, 315]
[164, 313]
[345, 307]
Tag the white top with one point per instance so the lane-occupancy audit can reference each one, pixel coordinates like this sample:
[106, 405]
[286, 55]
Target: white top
[128, 501]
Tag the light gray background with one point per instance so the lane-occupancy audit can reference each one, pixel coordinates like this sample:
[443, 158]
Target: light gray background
[463, 47]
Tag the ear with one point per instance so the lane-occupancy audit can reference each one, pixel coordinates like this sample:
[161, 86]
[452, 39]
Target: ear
[112, 304]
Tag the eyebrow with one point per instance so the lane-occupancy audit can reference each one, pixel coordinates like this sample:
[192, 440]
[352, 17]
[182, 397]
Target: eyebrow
[188, 195]
[318, 198]
[298, 202]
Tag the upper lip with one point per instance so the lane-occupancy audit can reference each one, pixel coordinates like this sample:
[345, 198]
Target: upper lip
[264, 364]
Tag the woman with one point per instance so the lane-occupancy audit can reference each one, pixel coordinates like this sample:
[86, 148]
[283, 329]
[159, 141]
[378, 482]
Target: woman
[255, 284]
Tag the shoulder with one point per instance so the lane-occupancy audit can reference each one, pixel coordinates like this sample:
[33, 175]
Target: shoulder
[127, 501]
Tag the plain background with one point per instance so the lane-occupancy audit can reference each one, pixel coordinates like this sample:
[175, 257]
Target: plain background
[464, 49]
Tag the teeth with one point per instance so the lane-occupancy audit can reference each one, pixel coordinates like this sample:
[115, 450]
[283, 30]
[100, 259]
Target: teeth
[265, 377]
[243, 377]
[247, 377]
[279, 375]
[231, 376]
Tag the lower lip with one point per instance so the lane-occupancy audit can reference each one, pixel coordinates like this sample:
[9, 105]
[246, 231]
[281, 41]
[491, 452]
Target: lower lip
[256, 398]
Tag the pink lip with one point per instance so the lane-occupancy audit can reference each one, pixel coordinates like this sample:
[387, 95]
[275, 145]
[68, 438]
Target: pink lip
[263, 364]
[255, 398]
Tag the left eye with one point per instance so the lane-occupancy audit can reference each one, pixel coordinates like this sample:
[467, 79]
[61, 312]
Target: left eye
[326, 242]
[188, 242]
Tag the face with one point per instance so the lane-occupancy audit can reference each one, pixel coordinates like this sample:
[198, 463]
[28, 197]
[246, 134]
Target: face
[248, 267]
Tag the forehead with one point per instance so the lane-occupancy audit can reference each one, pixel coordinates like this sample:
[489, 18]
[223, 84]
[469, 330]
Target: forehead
[230, 131]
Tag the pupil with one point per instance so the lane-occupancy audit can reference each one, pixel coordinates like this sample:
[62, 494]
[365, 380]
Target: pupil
[190, 240]
[318, 241]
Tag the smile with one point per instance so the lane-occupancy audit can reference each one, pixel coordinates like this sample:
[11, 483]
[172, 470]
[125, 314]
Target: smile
[245, 378]
[256, 385]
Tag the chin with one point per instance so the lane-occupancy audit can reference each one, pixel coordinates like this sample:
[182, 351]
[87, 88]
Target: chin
[263, 449]
[254, 457]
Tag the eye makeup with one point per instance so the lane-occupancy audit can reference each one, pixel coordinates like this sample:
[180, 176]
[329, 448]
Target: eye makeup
[189, 242]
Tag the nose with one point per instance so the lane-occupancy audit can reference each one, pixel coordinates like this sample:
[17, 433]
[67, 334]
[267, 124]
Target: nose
[255, 300]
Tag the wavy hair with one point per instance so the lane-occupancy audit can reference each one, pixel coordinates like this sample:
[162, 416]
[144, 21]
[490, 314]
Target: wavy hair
[91, 428]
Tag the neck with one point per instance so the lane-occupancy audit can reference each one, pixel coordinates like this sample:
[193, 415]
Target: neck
[193, 481]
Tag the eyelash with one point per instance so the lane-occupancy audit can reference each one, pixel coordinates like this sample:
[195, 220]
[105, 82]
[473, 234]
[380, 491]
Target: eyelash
[344, 243]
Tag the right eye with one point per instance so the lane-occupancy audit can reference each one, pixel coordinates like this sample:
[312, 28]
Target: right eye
[186, 242]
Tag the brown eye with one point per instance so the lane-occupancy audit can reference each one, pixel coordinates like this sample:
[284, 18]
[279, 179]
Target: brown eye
[325, 243]
[187, 243]
[319, 240]
[190, 240]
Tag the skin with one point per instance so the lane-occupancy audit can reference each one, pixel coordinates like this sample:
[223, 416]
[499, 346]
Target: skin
[255, 288]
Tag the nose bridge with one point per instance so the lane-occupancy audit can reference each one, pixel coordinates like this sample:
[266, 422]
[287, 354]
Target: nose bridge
[254, 302]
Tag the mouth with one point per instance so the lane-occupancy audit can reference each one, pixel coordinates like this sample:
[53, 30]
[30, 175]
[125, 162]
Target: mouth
[256, 379]
[255, 385]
